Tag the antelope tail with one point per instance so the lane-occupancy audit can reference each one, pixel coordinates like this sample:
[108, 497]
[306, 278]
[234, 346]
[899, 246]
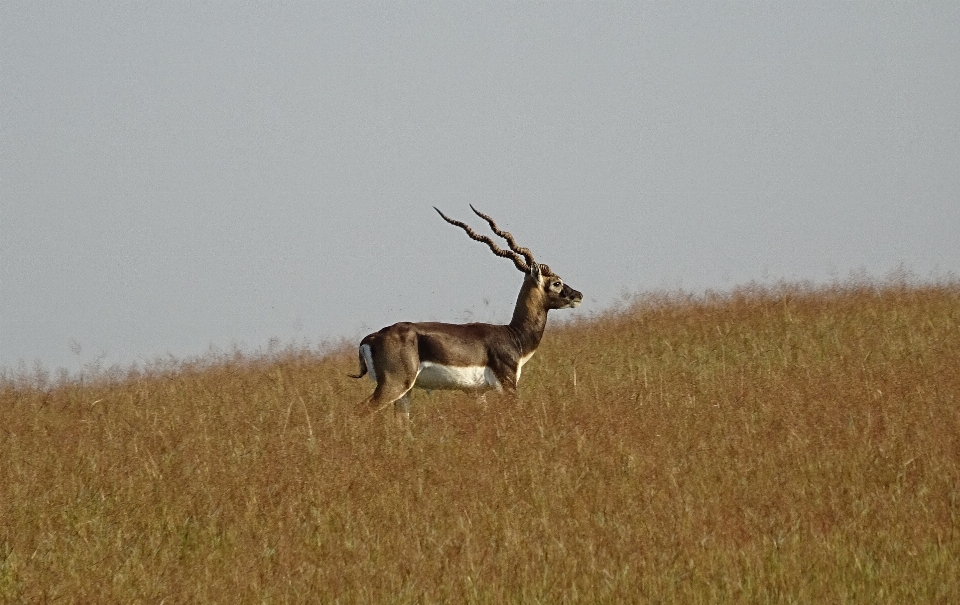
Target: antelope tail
[363, 367]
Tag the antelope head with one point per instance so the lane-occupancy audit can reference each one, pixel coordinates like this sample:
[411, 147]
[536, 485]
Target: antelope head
[542, 287]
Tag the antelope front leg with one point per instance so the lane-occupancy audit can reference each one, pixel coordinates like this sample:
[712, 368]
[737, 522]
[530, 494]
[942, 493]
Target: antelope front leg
[401, 410]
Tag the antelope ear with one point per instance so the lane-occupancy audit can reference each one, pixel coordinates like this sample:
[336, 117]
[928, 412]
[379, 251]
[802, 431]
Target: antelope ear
[535, 272]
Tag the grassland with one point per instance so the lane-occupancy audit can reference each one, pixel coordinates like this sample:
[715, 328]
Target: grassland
[784, 445]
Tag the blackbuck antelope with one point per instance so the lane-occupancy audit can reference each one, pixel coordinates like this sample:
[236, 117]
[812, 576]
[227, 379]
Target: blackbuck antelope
[468, 357]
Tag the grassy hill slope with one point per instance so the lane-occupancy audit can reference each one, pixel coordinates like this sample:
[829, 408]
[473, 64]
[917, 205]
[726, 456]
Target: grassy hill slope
[768, 446]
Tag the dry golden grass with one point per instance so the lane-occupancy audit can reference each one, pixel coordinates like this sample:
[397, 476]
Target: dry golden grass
[788, 445]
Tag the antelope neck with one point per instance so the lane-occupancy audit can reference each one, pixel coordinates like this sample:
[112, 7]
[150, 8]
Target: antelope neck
[529, 319]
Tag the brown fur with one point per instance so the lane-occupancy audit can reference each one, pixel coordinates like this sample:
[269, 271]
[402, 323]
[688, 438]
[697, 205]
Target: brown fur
[398, 351]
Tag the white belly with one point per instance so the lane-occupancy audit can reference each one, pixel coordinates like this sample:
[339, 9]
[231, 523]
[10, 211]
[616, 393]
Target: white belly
[469, 378]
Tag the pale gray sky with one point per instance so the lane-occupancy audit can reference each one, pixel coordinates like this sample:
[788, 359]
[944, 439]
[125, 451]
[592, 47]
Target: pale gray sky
[178, 175]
